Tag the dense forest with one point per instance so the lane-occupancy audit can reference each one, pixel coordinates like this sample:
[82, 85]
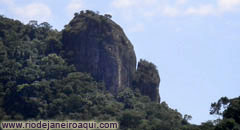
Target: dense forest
[38, 80]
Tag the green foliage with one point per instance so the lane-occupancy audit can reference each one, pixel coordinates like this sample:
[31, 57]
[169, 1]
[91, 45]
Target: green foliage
[216, 107]
[233, 110]
[207, 126]
[231, 113]
[36, 82]
[227, 124]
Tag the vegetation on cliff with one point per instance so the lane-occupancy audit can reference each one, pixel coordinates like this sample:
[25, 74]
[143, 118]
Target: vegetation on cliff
[38, 80]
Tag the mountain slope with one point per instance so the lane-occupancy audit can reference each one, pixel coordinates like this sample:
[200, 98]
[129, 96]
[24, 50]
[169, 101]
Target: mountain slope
[40, 79]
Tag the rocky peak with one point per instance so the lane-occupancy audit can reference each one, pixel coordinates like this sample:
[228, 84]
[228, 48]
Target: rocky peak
[97, 45]
[147, 80]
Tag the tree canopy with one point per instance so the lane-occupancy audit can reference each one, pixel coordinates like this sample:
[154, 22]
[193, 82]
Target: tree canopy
[38, 82]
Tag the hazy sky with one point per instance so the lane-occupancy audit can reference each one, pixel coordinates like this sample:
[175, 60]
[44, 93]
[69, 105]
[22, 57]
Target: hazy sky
[195, 44]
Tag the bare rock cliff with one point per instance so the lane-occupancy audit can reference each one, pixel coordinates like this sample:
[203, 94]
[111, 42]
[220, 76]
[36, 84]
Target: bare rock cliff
[147, 80]
[97, 45]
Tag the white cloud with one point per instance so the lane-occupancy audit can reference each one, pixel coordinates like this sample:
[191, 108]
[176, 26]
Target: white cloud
[123, 3]
[153, 8]
[170, 11]
[134, 4]
[222, 7]
[228, 5]
[33, 11]
[130, 9]
[202, 10]
[36, 11]
[75, 6]
[148, 10]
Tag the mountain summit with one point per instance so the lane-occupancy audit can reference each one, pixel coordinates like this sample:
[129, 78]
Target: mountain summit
[97, 45]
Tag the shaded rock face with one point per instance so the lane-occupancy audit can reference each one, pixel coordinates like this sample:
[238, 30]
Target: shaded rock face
[97, 45]
[147, 80]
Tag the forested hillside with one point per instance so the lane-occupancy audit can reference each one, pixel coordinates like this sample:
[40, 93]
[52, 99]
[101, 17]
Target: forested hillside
[38, 80]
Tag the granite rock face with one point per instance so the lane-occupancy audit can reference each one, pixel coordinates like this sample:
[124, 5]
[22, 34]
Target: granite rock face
[97, 45]
[147, 80]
